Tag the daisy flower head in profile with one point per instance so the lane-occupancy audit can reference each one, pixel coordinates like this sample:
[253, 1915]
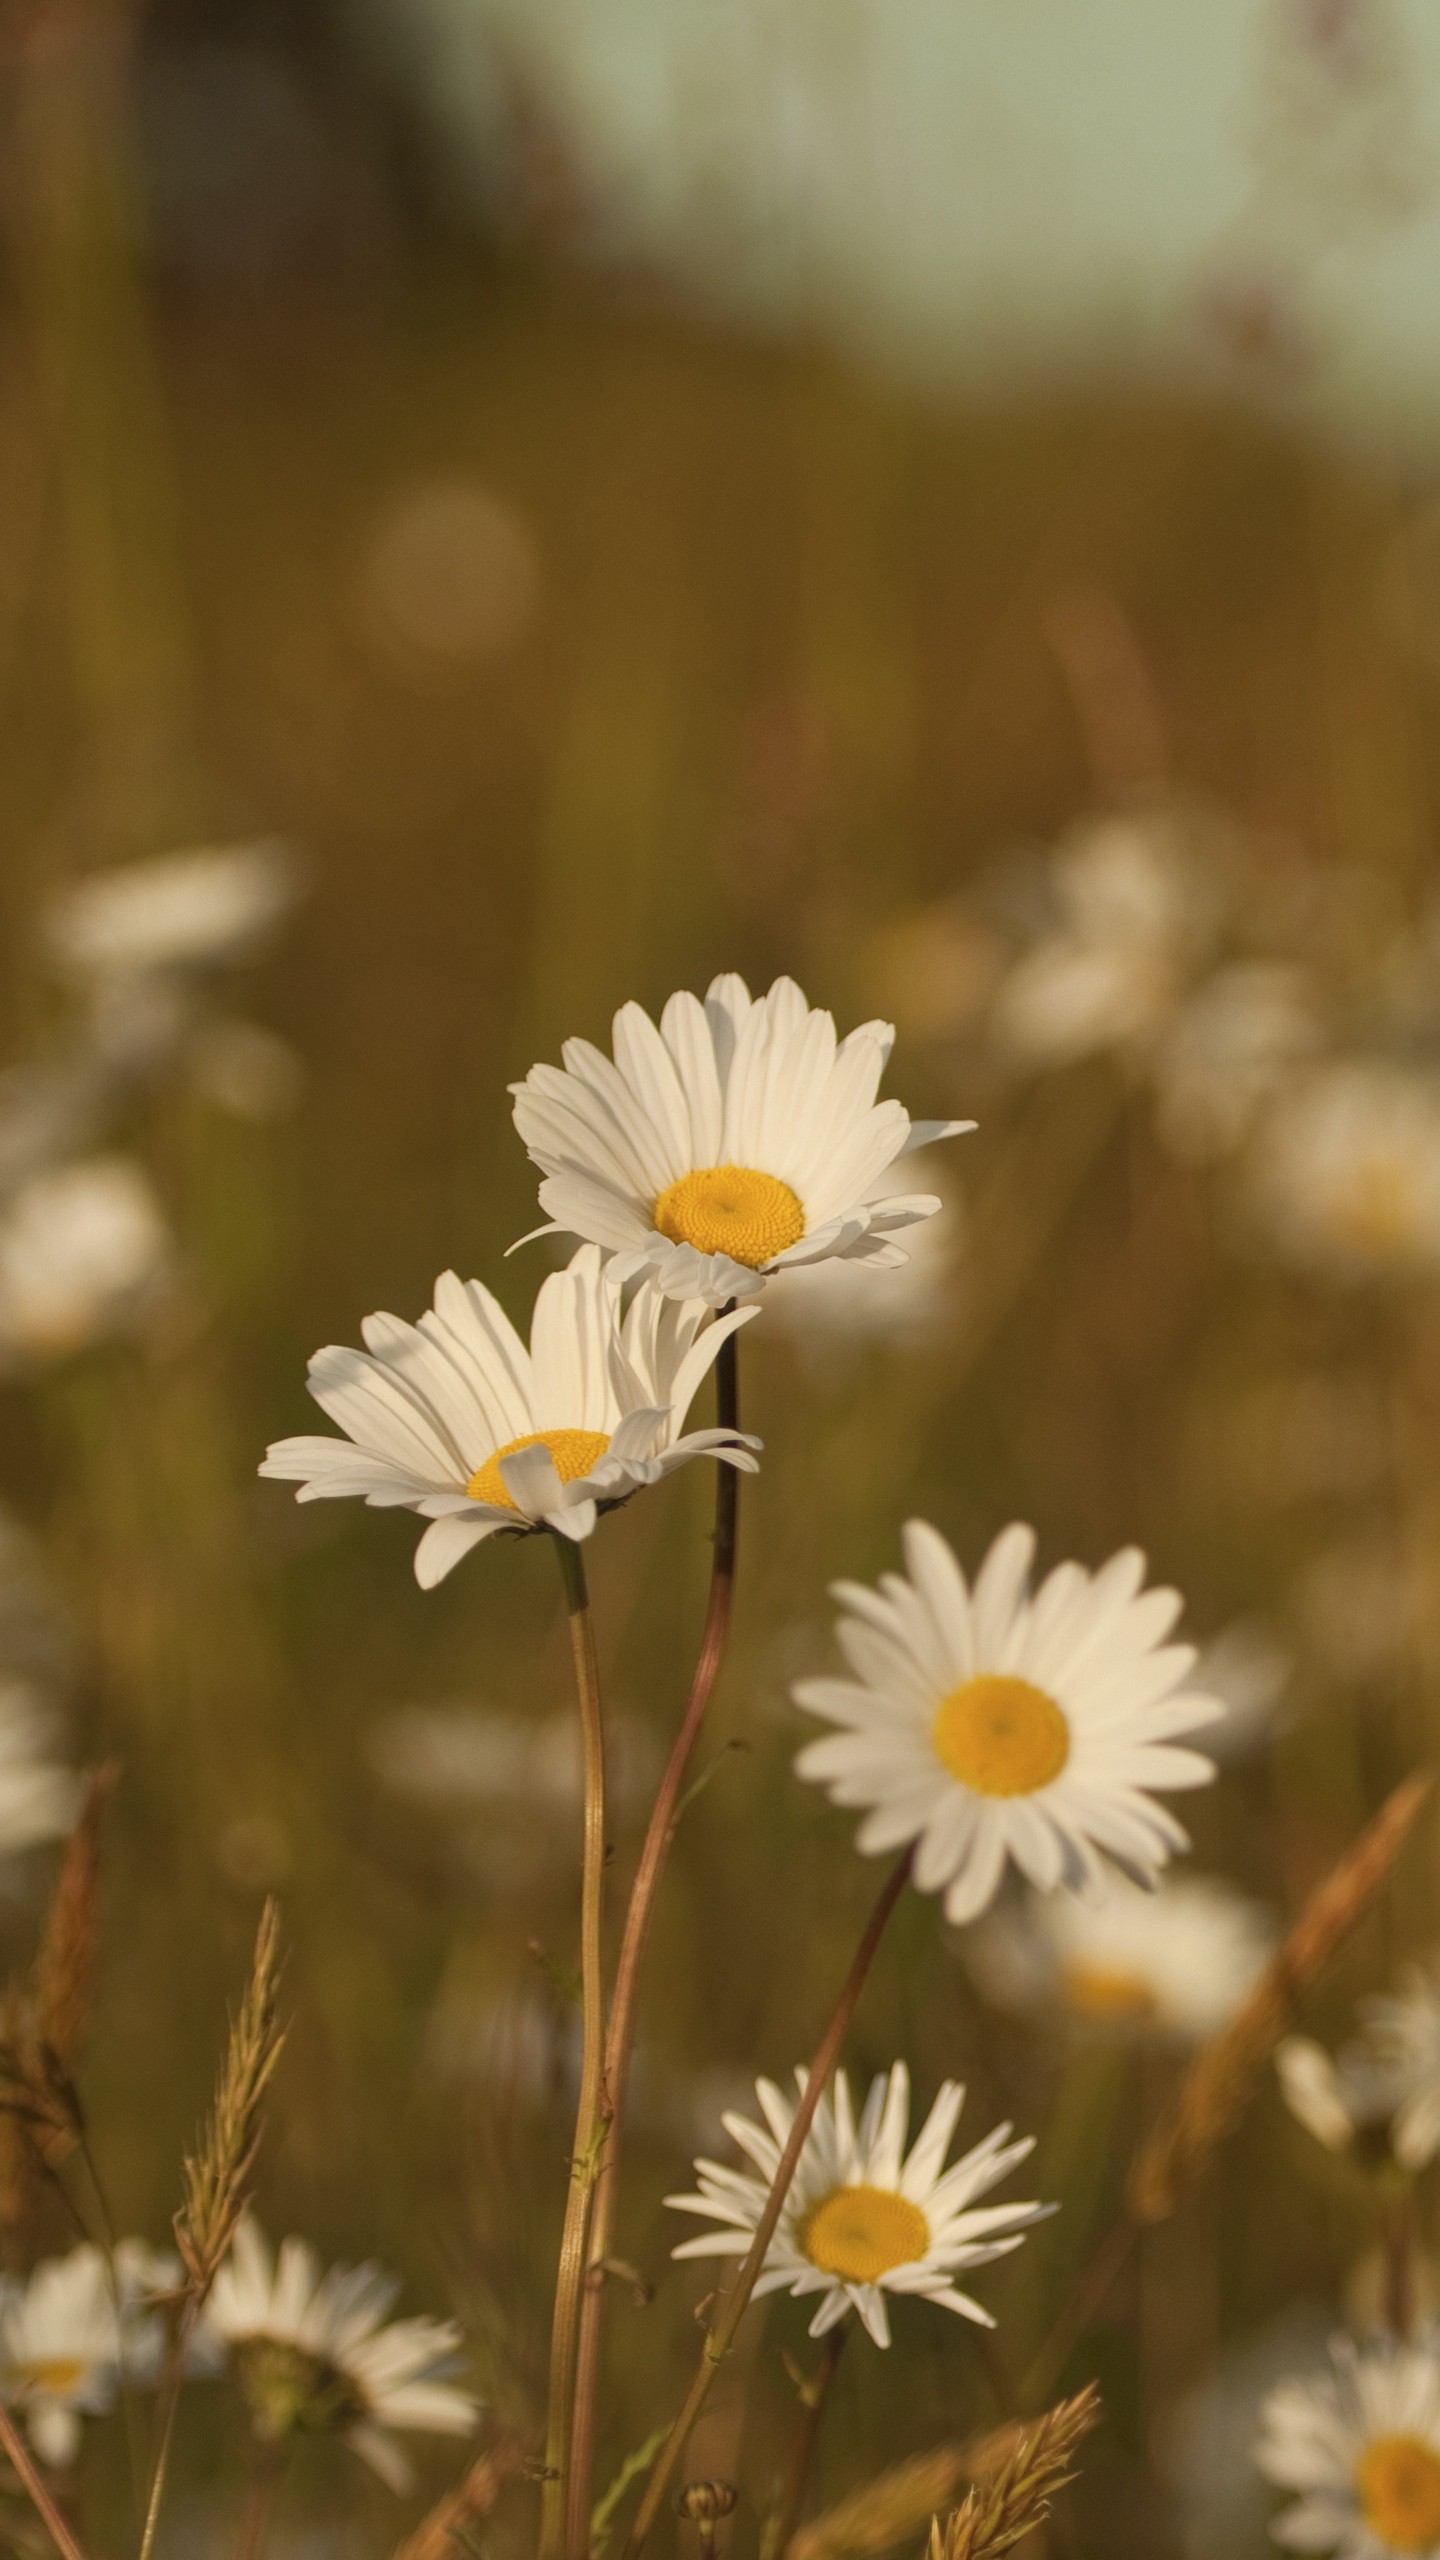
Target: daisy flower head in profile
[740, 1138]
[316, 2353]
[1169, 1966]
[987, 1723]
[455, 1418]
[1381, 2092]
[1360, 2447]
[863, 2218]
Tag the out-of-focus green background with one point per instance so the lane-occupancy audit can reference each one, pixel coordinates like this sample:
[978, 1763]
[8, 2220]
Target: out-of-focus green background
[586, 643]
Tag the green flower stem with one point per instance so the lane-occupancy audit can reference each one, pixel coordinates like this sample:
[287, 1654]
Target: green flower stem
[780, 2527]
[660, 1832]
[720, 2336]
[13, 2444]
[589, 2132]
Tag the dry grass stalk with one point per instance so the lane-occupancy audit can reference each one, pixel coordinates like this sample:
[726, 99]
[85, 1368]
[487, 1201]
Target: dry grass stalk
[1224, 2072]
[1017, 2472]
[886, 2510]
[43, 2017]
[217, 2178]
[441, 2534]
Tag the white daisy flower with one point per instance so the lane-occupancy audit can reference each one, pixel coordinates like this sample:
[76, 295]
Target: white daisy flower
[1360, 2446]
[455, 1419]
[62, 2349]
[182, 911]
[314, 2351]
[989, 1724]
[84, 1254]
[1173, 1964]
[862, 2219]
[739, 1139]
[1382, 2090]
[1346, 1177]
[1134, 913]
[1230, 1050]
[39, 1796]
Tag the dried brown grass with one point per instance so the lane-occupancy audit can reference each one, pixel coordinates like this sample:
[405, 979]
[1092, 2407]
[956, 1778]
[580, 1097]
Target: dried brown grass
[217, 2175]
[1223, 2074]
[43, 2018]
[1017, 2472]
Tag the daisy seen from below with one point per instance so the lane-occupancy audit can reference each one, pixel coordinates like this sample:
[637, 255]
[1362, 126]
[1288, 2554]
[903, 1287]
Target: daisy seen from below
[315, 2352]
[455, 1418]
[1360, 2447]
[1382, 2090]
[986, 1723]
[63, 2353]
[1173, 1965]
[740, 1138]
[863, 2219]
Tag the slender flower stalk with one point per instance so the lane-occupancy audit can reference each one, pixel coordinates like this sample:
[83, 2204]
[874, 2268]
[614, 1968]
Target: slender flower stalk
[779, 2527]
[17, 2453]
[589, 2128]
[660, 1832]
[720, 2335]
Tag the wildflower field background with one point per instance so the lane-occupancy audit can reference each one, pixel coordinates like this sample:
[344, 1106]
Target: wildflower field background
[578, 643]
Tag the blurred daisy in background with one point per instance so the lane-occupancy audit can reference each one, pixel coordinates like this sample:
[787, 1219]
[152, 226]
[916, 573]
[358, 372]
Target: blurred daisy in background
[85, 1255]
[182, 912]
[863, 2218]
[1359, 2446]
[1230, 1049]
[63, 2350]
[39, 1796]
[990, 1724]
[1174, 1964]
[737, 1140]
[315, 2353]
[1346, 1173]
[456, 1419]
[1134, 914]
[1381, 2092]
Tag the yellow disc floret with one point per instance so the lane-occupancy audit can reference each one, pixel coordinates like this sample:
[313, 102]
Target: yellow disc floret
[1106, 1991]
[1398, 2483]
[574, 1453]
[53, 2375]
[729, 1209]
[860, 2233]
[1001, 1736]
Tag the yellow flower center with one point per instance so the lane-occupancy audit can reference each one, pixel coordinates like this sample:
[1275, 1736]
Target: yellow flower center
[1001, 1736]
[860, 2233]
[1106, 1991]
[729, 1209]
[1398, 2481]
[574, 1453]
[55, 2375]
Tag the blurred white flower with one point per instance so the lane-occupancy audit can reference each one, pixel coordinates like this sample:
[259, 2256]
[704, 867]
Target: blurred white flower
[1230, 1048]
[62, 2348]
[315, 2352]
[182, 911]
[1248, 1669]
[1383, 2088]
[84, 1253]
[1360, 2447]
[461, 1760]
[1135, 916]
[39, 1796]
[1346, 1171]
[1173, 1964]
[246, 1069]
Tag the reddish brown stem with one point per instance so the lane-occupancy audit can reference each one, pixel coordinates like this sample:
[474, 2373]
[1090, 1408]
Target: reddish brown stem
[660, 1832]
[18, 2453]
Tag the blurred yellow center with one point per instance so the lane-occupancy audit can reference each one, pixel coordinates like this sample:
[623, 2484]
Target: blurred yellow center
[1106, 1991]
[728, 1209]
[56, 2375]
[1398, 2482]
[1001, 1736]
[574, 1453]
[860, 2233]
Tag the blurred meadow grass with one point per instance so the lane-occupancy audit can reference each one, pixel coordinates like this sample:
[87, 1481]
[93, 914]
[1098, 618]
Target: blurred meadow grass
[780, 674]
